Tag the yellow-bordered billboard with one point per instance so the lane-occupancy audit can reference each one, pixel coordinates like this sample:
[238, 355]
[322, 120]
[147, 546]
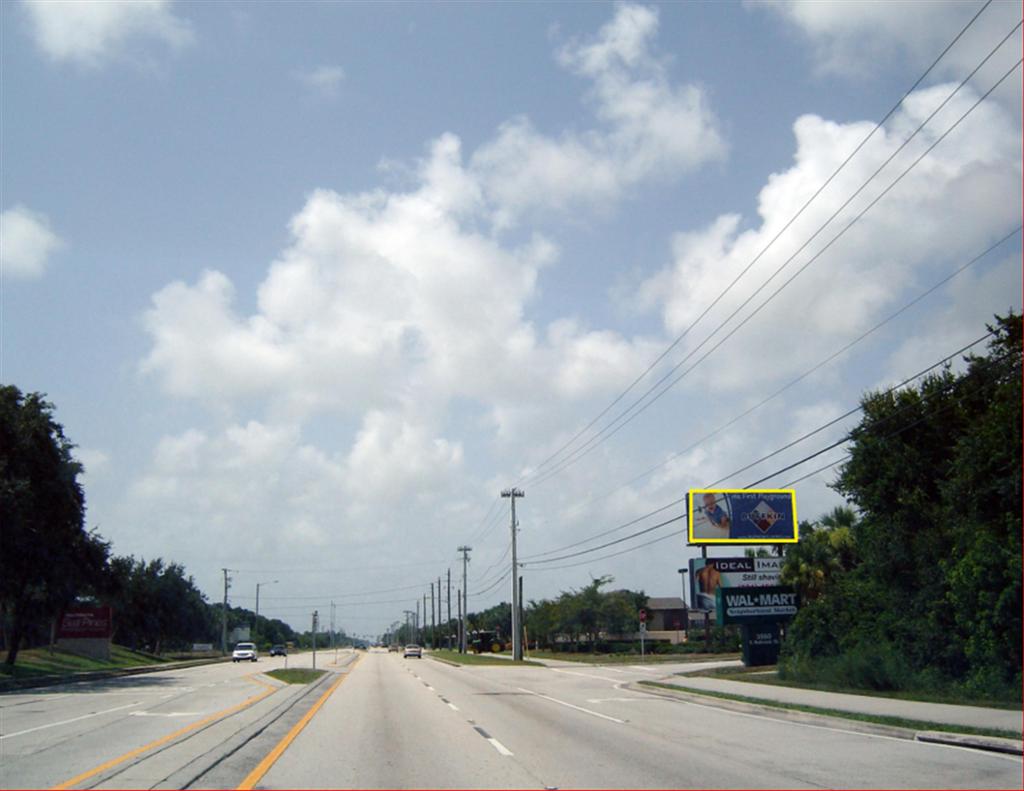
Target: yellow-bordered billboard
[742, 516]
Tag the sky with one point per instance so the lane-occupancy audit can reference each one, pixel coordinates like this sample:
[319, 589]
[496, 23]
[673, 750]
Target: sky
[310, 284]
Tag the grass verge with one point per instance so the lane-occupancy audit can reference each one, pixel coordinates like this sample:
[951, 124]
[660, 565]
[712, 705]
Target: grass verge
[758, 676]
[876, 719]
[41, 662]
[478, 659]
[295, 675]
[630, 659]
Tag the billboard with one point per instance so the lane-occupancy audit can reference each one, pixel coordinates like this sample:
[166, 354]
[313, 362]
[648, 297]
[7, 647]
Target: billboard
[85, 622]
[707, 575]
[756, 605]
[742, 516]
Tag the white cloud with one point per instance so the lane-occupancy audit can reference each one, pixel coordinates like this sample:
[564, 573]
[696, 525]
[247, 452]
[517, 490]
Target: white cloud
[959, 199]
[383, 299]
[257, 491]
[95, 462]
[973, 298]
[26, 242]
[857, 38]
[651, 129]
[324, 80]
[89, 32]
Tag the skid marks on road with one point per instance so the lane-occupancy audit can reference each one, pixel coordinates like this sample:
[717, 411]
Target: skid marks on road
[498, 746]
[268, 689]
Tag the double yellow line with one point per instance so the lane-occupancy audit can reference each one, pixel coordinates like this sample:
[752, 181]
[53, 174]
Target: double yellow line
[264, 766]
[77, 779]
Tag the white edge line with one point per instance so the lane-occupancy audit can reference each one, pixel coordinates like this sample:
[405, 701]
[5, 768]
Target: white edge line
[587, 675]
[573, 706]
[844, 730]
[501, 748]
[67, 722]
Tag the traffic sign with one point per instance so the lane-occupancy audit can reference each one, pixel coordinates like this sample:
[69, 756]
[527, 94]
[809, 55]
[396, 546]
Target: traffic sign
[643, 615]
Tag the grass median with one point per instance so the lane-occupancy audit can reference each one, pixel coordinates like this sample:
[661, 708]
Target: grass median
[478, 659]
[875, 719]
[35, 662]
[295, 675]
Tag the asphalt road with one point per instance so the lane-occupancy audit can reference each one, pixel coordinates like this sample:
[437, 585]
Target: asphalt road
[390, 722]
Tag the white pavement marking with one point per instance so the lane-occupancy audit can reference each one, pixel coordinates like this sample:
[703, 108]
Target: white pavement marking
[166, 713]
[501, 748]
[453, 707]
[430, 688]
[623, 700]
[67, 722]
[572, 706]
[588, 675]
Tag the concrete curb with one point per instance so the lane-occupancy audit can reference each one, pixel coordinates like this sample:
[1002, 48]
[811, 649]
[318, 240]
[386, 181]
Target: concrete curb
[763, 706]
[990, 743]
[31, 682]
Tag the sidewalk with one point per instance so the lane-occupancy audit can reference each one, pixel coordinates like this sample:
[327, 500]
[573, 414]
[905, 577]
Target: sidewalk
[948, 714]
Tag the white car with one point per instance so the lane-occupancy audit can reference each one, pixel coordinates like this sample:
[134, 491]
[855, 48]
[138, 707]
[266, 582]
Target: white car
[413, 650]
[244, 652]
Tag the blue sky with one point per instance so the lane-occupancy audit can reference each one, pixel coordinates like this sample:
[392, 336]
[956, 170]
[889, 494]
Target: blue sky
[309, 283]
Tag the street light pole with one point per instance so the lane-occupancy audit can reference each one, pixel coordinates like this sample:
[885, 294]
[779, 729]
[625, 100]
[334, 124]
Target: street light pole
[682, 575]
[256, 621]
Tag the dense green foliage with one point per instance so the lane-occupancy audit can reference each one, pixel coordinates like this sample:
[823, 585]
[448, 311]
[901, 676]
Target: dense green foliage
[923, 588]
[583, 615]
[46, 555]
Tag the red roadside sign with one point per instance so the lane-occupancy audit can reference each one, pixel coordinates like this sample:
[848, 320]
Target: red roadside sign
[643, 616]
[86, 622]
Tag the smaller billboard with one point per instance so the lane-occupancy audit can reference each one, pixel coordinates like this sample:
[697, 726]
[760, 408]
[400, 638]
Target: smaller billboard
[85, 622]
[707, 575]
[757, 605]
[742, 516]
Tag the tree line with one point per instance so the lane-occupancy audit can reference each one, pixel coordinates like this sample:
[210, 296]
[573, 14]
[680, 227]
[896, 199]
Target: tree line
[917, 584]
[49, 561]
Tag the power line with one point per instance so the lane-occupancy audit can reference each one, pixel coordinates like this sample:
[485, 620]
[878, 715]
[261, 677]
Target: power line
[682, 516]
[624, 417]
[746, 269]
[795, 381]
[532, 562]
[863, 336]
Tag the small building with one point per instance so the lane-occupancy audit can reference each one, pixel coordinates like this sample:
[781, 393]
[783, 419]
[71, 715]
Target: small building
[667, 618]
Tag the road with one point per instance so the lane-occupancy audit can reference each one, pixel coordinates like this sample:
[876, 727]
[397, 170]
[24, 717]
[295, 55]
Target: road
[382, 721]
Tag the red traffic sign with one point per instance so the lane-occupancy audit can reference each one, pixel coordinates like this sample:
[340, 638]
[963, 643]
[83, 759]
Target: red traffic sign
[643, 615]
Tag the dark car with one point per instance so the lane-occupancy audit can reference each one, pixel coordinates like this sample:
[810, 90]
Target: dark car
[278, 650]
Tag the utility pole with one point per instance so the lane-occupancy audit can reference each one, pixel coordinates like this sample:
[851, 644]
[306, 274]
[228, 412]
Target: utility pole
[465, 598]
[433, 620]
[224, 614]
[316, 618]
[256, 624]
[517, 627]
[333, 644]
[416, 628]
[458, 603]
[408, 629]
[448, 624]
